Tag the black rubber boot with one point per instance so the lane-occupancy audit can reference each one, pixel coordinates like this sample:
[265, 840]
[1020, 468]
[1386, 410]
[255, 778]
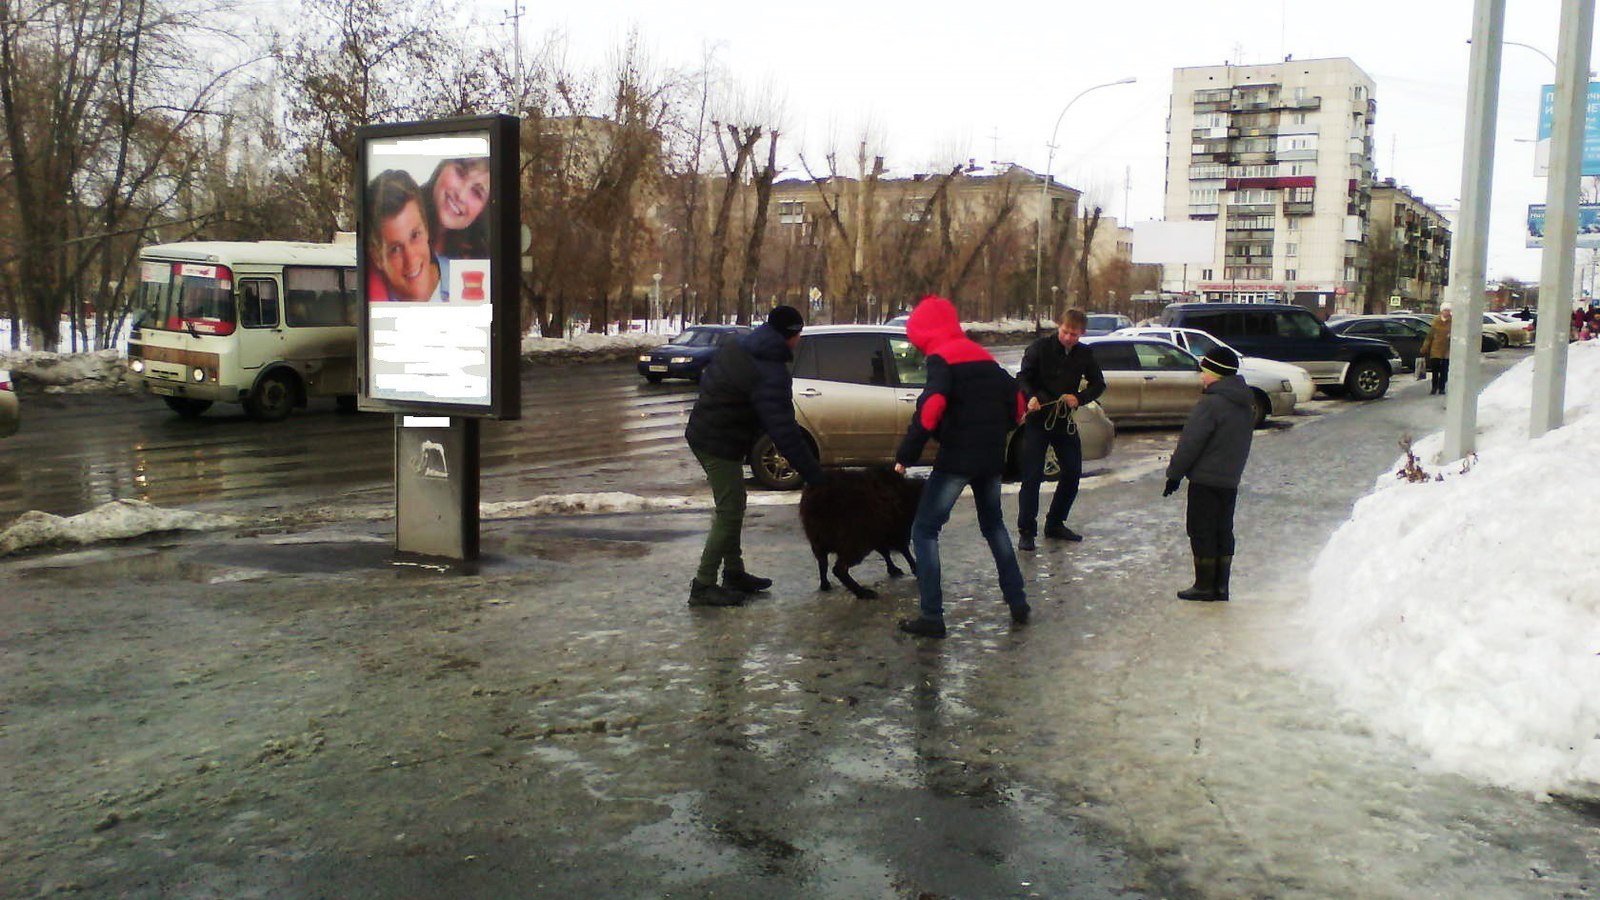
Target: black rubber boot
[712, 595]
[1205, 578]
[1224, 569]
[744, 582]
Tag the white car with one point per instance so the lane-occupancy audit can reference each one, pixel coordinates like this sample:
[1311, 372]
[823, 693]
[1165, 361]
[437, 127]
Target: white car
[10, 411]
[1278, 386]
[1518, 333]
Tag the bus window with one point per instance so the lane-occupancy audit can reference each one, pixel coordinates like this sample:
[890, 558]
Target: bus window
[314, 296]
[193, 298]
[258, 303]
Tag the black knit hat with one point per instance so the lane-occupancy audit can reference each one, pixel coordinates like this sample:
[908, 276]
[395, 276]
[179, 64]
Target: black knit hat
[1221, 362]
[787, 320]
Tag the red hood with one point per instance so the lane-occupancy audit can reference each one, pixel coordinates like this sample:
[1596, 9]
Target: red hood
[935, 329]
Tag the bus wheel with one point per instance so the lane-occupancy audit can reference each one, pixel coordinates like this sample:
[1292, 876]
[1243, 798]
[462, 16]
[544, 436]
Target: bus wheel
[346, 403]
[272, 399]
[187, 408]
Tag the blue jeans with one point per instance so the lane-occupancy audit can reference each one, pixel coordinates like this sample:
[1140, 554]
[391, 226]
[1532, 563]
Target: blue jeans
[1069, 455]
[939, 496]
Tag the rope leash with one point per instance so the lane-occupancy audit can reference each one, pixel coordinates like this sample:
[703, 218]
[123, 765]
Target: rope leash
[1052, 414]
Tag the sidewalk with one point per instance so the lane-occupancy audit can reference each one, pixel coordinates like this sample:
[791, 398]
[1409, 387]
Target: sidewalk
[292, 715]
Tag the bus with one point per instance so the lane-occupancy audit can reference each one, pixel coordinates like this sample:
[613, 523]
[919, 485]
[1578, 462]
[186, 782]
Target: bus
[266, 324]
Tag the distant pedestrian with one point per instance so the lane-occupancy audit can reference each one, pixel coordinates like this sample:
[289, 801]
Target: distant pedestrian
[745, 392]
[1211, 453]
[1058, 375]
[969, 405]
[1436, 350]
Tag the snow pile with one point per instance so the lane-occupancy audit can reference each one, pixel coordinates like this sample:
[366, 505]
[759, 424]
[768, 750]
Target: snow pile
[1463, 614]
[116, 520]
[586, 345]
[68, 373]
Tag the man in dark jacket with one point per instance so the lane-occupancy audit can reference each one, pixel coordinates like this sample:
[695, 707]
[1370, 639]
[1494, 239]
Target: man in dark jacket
[1211, 453]
[744, 393]
[1058, 375]
[969, 405]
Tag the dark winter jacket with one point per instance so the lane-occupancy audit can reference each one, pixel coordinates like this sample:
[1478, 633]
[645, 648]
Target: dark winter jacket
[1216, 440]
[1050, 371]
[747, 392]
[969, 403]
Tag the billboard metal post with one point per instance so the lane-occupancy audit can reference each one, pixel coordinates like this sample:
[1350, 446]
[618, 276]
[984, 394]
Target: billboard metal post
[1561, 219]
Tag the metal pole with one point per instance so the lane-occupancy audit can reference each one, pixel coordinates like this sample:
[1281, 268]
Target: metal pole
[1561, 216]
[1468, 263]
[1044, 193]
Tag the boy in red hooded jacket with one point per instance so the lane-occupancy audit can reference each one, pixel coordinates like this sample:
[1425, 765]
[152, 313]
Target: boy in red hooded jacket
[969, 404]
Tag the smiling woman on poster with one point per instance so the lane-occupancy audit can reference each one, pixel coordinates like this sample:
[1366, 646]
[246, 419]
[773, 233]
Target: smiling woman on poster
[456, 195]
[399, 246]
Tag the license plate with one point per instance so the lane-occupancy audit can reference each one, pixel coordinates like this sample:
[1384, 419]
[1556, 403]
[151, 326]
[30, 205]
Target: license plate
[165, 390]
[658, 368]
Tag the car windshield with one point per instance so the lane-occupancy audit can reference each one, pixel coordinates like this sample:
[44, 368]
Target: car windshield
[1104, 323]
[698, 337]
[1201, 343]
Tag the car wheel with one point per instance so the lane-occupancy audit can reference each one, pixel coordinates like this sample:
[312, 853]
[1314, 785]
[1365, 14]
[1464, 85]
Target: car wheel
[272, 398]
[1488, 344]
[770, 467]
[1263, 407]
[185, 407]
[653, 379]
[1501, 341]
[1367, 380]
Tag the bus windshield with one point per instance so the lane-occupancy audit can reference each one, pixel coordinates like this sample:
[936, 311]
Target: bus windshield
[185, 297]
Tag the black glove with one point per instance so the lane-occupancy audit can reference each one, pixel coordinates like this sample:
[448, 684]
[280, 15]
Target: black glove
[1172, 487]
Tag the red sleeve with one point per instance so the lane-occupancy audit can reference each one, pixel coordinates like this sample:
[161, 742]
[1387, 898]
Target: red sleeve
[1022, 407]
[933, 411]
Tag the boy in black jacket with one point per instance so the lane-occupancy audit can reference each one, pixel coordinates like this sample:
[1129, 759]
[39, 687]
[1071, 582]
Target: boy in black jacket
[1212, 452]
[969, 405]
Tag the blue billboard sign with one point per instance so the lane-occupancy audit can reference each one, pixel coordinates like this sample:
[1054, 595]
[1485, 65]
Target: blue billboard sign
[1591, 129]
[1588, 225]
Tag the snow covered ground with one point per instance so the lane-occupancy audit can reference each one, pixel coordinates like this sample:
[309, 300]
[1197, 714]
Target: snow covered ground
[1471, 625]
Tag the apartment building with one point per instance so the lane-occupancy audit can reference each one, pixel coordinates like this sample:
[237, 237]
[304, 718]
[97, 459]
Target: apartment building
[1280, 157]
[1408, 250]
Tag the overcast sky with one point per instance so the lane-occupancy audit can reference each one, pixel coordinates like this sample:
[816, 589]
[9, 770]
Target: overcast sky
[940, 81]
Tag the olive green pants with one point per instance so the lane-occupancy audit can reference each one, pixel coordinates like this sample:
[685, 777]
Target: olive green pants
[726, 477]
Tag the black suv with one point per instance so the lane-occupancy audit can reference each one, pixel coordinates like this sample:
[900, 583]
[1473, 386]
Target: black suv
[1357, 367]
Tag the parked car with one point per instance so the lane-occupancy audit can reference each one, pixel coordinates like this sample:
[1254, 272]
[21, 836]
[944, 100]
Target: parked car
[1357, 367]
[1518, 332]
[10, 408]
[1403, 337]
[1488, 342]
[855, 388]
[1105, 323]
[1277, 386]
[1149, 381]
[686, 355]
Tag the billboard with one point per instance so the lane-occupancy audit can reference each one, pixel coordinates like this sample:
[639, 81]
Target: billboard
[1588, 225]
[1591, 131]
[437, 253]
[1175, 243]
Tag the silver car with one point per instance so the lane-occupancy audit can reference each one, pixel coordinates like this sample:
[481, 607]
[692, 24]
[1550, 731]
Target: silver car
[1277, 386]
[855, 388]
[10, 409]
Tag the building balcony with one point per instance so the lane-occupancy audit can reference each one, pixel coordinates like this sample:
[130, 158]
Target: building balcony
[1301, 103]
[1204, 209]
[1250, 209]
[1299, 209]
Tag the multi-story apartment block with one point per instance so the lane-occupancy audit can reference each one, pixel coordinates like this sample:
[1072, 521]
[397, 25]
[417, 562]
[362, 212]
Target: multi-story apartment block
[1409, 251]
[1280, 157]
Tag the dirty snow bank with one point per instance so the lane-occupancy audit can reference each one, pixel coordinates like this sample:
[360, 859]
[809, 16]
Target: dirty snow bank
[1463, 614]
[111, 521]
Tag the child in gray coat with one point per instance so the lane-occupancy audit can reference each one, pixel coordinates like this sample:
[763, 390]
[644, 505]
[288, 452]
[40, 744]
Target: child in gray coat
[1211, 453]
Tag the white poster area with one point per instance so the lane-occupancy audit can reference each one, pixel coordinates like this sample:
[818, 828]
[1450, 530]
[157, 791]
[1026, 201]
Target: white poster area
[428, 352]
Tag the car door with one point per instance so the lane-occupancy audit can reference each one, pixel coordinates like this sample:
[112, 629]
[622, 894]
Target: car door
[1171, 381]
[1124, 375]
[843, 396]
[1403, 339]
[1304, 341]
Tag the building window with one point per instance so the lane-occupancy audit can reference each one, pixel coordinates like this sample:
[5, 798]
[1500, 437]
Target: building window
[1291, 249]
[1301, 195]
[1205, 274]
[1297, 118]
[1292, 225]
[791, 212]
[1290, 275]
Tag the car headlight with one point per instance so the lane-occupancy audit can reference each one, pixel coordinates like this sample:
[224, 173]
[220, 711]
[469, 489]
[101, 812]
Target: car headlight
[137, 366]
[680, 360]
[644, 357]
[198, 375]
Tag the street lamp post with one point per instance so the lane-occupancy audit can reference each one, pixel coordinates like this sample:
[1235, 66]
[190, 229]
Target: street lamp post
[1044, 193]
[655, 311]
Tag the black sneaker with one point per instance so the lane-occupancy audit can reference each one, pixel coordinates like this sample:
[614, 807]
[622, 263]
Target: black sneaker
[744, 582]
[1025, 542]
[923, 627]
[711, 595]
[1061, 533]
[1021, 614]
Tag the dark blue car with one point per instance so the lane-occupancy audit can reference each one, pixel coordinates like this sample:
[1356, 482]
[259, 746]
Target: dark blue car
[686, 355]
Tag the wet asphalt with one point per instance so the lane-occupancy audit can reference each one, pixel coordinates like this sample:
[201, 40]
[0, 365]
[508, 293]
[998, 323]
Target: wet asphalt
[555, 721]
